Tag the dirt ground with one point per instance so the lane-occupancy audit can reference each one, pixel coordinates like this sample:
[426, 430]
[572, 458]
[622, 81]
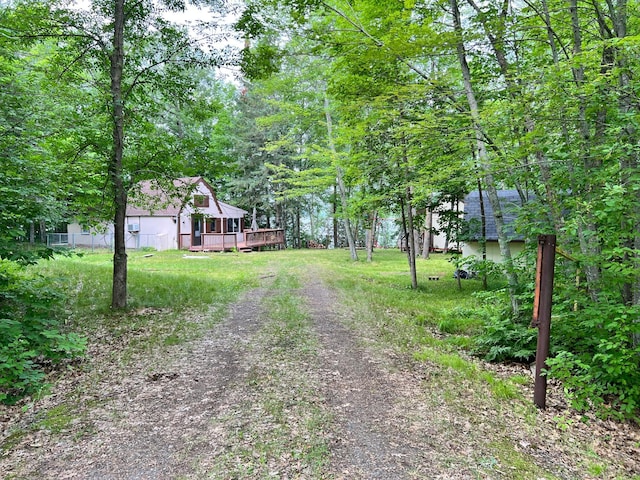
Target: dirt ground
[238, 404]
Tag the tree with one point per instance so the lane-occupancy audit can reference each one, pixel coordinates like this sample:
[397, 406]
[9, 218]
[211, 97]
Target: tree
[535, 97]
[128, 52]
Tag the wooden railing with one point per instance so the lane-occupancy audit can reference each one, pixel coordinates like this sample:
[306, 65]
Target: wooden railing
[219, 241]
[266, 236]
[185, 241]
[227, 241]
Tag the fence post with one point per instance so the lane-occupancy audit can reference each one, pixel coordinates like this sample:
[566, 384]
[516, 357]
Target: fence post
[542, 312]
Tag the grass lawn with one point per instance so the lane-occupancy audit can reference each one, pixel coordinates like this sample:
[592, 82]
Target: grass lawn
[174, 282]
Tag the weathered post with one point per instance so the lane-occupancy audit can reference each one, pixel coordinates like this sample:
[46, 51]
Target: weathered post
[542, 312]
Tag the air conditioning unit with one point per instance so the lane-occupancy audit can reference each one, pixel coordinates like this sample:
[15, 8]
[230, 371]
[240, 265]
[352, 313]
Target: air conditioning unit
[133, 227]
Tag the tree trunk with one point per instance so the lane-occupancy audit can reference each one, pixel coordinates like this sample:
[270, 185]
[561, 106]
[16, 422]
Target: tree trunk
[411, 240]
[340, 183]
[411, 237]
[631, 164]
[297, 228]
[587, 236]
[119, 291]
[483, 159]
[43, 231]
[334, 205]
[483, 235]
[407, 238]
[426, 244]
[371, 235]
[514, 91]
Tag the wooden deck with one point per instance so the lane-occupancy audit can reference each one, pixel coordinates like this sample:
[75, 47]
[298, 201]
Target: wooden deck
[243, 241]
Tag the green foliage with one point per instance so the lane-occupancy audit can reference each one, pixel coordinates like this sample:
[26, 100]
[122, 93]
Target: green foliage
[502, 338]
[31, 336]
[593, 351]
[600, 367]
[461, 320]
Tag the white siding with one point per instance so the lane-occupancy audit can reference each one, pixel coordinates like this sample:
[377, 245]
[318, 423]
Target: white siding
[160, 233]
[493, 250]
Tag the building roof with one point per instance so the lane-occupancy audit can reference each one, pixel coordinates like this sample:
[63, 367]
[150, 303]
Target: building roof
[229, 211]
[510, 202]
[153, 199]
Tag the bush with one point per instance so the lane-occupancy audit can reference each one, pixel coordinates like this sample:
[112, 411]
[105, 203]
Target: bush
[503, 338]
[593, 352]
[602, 371]
[30, 332]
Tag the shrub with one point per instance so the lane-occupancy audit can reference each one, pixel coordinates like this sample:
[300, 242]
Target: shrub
[30, 332]
[602, 371]
[503, 338]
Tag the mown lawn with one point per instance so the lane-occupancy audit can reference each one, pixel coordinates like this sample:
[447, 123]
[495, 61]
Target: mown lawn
[174, 282]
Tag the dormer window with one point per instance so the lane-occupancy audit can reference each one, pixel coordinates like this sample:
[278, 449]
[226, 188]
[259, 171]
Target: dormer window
[201, 201]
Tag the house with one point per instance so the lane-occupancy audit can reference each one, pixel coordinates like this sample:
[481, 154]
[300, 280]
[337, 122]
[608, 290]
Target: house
[510, 202]
[187, 215]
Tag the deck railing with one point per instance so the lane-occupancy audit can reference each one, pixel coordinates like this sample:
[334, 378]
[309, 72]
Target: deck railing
[218, 242]
[266, 236]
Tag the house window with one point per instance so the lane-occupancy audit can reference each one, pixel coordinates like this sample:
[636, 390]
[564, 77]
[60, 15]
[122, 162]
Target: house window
[84, 230]
[201, 201]
[233, 225]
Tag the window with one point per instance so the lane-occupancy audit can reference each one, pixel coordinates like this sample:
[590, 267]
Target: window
[233, 225]
[201, 201]
[84, 229]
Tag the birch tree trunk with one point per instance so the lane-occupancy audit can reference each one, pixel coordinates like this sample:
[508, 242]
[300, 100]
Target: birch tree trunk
[587, 232]
[484, 160]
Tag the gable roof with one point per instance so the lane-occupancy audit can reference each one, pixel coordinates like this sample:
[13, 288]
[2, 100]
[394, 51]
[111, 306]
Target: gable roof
[153, 199]
[510, 203]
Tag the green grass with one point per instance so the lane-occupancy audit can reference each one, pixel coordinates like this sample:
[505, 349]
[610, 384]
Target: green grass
[167, 290]
[169, 296]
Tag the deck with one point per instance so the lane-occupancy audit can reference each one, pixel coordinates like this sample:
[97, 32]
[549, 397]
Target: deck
[224, 242]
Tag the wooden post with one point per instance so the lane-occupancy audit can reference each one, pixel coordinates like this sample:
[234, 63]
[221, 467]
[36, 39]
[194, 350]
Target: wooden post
[542, 312]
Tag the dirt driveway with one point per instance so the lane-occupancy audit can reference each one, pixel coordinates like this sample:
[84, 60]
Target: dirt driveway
[289, 386]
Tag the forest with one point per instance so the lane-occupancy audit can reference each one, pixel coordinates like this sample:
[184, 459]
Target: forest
[328, 116]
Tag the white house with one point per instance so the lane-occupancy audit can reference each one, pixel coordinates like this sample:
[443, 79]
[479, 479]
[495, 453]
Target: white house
[186, 215]
[183, 216]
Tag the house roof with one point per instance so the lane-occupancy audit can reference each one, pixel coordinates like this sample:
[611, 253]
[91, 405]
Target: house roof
[510, 203]
[229, 211]
[154, 199]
